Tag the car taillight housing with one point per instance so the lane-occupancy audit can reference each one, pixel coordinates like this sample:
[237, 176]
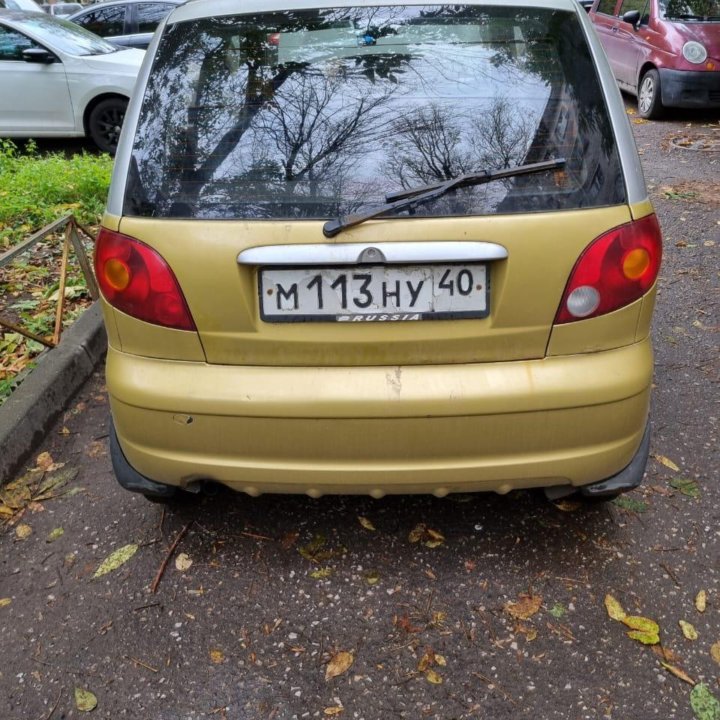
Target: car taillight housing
[616, 269]
[135, 279]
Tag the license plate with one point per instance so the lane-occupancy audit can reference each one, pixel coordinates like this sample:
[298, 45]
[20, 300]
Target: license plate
[374, 293]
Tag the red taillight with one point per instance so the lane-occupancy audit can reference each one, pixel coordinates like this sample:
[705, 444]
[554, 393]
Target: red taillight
[273, 39]
[616, 269]
[136, 280]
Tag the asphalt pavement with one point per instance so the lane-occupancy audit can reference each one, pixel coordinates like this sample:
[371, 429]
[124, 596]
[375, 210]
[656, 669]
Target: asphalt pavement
[475, 606]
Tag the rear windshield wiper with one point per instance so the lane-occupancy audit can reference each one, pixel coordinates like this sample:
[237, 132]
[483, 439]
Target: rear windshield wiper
[417, 196]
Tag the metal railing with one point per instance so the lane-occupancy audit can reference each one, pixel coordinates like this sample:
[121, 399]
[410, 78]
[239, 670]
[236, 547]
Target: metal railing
[71, 239]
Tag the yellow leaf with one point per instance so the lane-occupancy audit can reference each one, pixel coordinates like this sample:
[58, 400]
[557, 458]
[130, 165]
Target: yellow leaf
[366, 524]
[23, 531]
[55, 534]
[115, 559]
[85, 701]
[525, 607]
[339, 663]
[44, 460]
[440, 660]
[715, 652]
[614, 608]
[217, 656]
[701, 601]
[333, 710]
[636, 622]
[646, 638]
[688, 630]
[426, 661]
[432, 677]
[667, 462]
[183, 562]
[372, 577]
[5, 601]
[678, 673]
[322, 573]
[417, 533]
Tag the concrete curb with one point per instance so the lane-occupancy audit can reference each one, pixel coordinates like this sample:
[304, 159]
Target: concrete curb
[28, 413]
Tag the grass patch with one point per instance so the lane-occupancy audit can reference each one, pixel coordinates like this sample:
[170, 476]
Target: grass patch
[36, 189]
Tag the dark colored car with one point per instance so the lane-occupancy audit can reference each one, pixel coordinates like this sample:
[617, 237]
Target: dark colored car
[125, 23]
[666, 52]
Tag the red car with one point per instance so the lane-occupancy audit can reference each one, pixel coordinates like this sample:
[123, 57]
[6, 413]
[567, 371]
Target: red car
[666, 52]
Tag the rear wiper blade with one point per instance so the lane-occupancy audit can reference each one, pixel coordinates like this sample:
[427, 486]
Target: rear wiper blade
[416, 196]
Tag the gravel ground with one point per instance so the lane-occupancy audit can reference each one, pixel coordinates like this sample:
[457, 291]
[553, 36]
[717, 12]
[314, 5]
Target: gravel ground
[263, 600]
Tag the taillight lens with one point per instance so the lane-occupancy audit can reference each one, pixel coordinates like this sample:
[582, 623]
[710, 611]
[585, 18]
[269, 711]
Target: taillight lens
[616, 269]
[135, 279]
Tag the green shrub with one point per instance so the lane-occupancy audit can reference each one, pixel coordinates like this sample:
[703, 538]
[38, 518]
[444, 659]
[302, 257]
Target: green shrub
[37, 189]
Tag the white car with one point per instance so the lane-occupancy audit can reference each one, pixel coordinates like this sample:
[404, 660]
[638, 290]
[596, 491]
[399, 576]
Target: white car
[63, 80]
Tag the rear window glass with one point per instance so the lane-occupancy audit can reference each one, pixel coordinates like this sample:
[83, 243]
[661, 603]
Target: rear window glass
[320, 113]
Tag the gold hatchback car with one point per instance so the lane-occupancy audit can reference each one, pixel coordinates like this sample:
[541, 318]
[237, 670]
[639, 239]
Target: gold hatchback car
[378, 248]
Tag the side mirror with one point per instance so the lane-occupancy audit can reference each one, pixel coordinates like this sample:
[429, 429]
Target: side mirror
[38, 55]
[632, 17]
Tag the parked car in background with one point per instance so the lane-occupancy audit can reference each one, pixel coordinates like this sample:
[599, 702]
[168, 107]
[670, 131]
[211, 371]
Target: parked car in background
[666, 52]
[27, 5]
[63, 80]
[125, 22]
[378, 249]
[62, 9]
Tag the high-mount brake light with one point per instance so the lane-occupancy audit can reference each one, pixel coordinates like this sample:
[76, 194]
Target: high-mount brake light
[616, 269]
[135, 279]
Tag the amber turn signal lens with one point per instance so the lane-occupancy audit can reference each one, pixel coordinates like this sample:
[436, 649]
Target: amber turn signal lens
[117, 274]
[635, 263]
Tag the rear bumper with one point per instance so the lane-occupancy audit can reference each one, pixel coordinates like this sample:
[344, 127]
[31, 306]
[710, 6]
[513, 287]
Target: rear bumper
[375, 430]
[687, 89]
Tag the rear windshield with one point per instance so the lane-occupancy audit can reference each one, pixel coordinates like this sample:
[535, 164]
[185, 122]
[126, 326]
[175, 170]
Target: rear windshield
[320, 113]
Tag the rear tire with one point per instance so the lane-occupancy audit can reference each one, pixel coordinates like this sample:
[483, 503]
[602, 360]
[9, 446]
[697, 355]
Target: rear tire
[105, 122]
[649, 96]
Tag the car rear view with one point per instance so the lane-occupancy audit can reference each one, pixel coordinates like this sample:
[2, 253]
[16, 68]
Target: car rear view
[378, 249]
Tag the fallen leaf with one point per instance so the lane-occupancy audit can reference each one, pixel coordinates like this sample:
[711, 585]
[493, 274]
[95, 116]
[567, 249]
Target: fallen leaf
[55, 534]
[333, 710]
[85, 701]
[557, 610]
[426, 661]
[97, 448]
[322, 573]
[678, 673]
[440, 660]
[636, 622]
[667, 462]
[115, 559]
[631, 504]
[432, 677]
[528, 631]
[183, 562]
[365, 523]
[525, 607]
[316, 552]
[704, 704]
[688, 630]
[372, 577]
[665, 653]
[217, 656]
[614, 609]
[646, 638]
[686, 487]
[5, 601]
[23, 531]
[568, 505]
[339, 663]
[715, 652]
[289, 539]
[427, 536]
[404, 623]
[44, 461]
[701, 601]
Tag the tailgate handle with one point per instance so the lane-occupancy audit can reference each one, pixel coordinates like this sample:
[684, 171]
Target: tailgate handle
[375, 253]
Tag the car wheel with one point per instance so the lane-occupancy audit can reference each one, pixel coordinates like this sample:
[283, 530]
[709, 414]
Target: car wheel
[105, 122]
[649, 103]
